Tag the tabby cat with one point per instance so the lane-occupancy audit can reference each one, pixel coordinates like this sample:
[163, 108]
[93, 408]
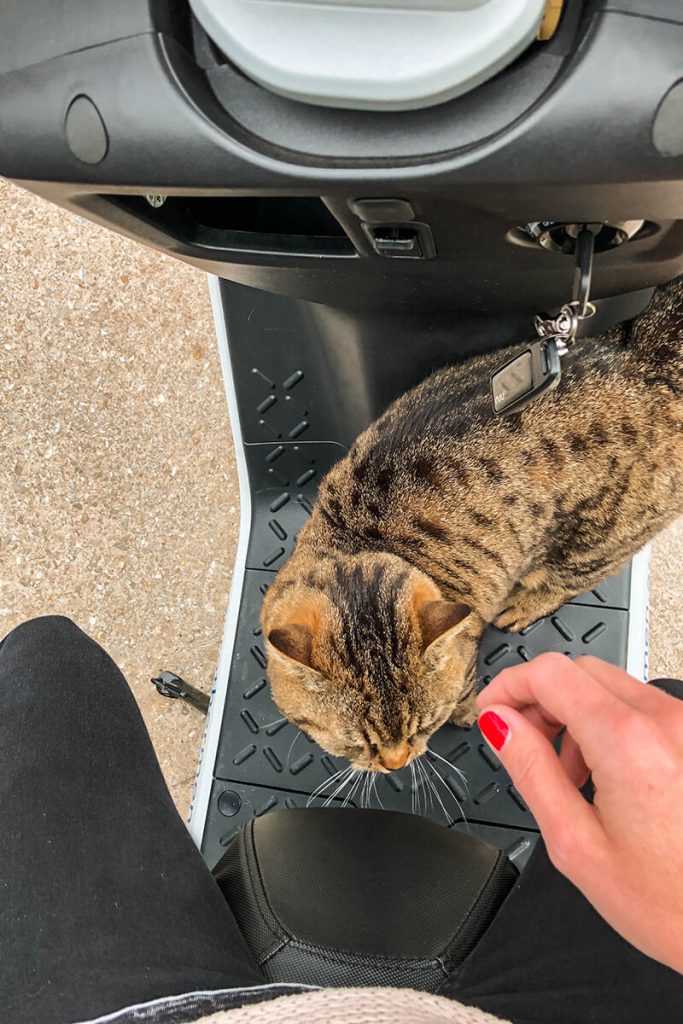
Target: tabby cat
[443, 518]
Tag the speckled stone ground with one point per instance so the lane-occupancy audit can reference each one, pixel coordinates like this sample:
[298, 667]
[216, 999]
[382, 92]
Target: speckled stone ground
[666, 605]
[119, 494]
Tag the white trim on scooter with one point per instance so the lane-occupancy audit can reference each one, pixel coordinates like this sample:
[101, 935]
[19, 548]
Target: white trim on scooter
[639, 616]
[207, 758]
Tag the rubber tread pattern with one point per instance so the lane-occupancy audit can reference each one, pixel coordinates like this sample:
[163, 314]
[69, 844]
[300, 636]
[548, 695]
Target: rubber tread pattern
[298, 416]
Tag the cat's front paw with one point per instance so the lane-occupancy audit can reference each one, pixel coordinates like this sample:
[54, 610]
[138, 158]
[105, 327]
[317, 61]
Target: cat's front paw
[524, 607]
[465, 714]
[513, 618]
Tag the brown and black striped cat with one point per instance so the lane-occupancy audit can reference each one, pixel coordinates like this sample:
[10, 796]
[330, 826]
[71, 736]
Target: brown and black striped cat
[442, 519]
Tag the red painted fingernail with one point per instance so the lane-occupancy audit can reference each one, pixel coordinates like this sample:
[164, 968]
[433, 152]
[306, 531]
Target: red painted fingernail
[494, 729]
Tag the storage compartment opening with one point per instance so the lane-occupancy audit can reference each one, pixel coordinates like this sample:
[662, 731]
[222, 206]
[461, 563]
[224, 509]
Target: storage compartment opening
[272, 215]
[278, 224]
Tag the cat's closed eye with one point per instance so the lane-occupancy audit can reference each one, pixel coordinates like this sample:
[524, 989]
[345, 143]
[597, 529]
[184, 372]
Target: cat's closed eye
[349, 750]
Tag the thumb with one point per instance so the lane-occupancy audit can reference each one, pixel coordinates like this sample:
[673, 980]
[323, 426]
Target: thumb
[572, 833]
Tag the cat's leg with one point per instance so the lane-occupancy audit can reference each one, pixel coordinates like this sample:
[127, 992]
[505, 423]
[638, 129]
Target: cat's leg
[542, 592]
[466, 711]
[536, 596]
[525, 607]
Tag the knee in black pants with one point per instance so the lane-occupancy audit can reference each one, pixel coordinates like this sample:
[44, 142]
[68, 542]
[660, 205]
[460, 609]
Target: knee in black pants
[45, 629]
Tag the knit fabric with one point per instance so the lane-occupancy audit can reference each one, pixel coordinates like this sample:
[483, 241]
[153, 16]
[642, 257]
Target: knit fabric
[355, 1006]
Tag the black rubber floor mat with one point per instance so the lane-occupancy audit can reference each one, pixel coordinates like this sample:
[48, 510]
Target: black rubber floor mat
[298, 418]
[268, 761]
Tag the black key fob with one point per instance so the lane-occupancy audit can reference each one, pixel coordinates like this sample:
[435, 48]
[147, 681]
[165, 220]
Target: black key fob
[525, 378]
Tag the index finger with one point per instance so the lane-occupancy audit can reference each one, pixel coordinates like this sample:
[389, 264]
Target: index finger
[564, 694]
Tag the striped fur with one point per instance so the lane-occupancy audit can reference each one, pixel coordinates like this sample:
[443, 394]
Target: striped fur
[440, 503]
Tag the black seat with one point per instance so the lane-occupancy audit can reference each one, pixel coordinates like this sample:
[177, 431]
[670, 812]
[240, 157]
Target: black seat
[334, 898]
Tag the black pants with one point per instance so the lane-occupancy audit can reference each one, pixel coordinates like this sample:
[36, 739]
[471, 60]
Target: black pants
[105, 902]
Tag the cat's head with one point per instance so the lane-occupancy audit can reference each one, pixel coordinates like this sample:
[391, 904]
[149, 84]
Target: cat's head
[366, 656]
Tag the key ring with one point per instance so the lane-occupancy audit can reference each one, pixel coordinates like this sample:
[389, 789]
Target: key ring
[564, 326]
[537, 370]
[590, 309]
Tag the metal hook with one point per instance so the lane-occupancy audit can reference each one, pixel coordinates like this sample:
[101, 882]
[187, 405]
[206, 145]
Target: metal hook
[583, 274]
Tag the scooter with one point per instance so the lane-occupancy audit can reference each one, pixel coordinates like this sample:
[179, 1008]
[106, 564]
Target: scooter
[375, 190]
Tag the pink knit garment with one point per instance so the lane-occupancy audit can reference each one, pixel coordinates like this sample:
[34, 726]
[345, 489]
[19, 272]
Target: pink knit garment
[355, 1006]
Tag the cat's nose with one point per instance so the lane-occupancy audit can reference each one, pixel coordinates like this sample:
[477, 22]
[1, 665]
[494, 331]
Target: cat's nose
[396, 758]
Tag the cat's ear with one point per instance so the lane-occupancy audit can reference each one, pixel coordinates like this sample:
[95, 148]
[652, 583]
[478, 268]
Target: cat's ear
[440, 617]
[294, 637]
[437, 618]
[295, 641]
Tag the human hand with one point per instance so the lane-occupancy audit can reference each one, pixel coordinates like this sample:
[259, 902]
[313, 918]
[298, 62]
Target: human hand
[624, 852]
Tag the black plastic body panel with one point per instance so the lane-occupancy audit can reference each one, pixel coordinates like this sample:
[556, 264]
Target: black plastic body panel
[34, 31]
[592, 126]
[578, 149]
[668, 10]
[372, 360]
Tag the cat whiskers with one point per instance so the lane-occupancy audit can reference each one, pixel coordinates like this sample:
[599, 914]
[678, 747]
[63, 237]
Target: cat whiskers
[359, 775]
[365, 792]
[278, 721]
[323, 785]
[419, 782]
[298, 733]
[435, 770]
[351, 775]
[435, 791]
[420, 795]
[456, 771]
[359, 782]
[344, 779]
[427, 784]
